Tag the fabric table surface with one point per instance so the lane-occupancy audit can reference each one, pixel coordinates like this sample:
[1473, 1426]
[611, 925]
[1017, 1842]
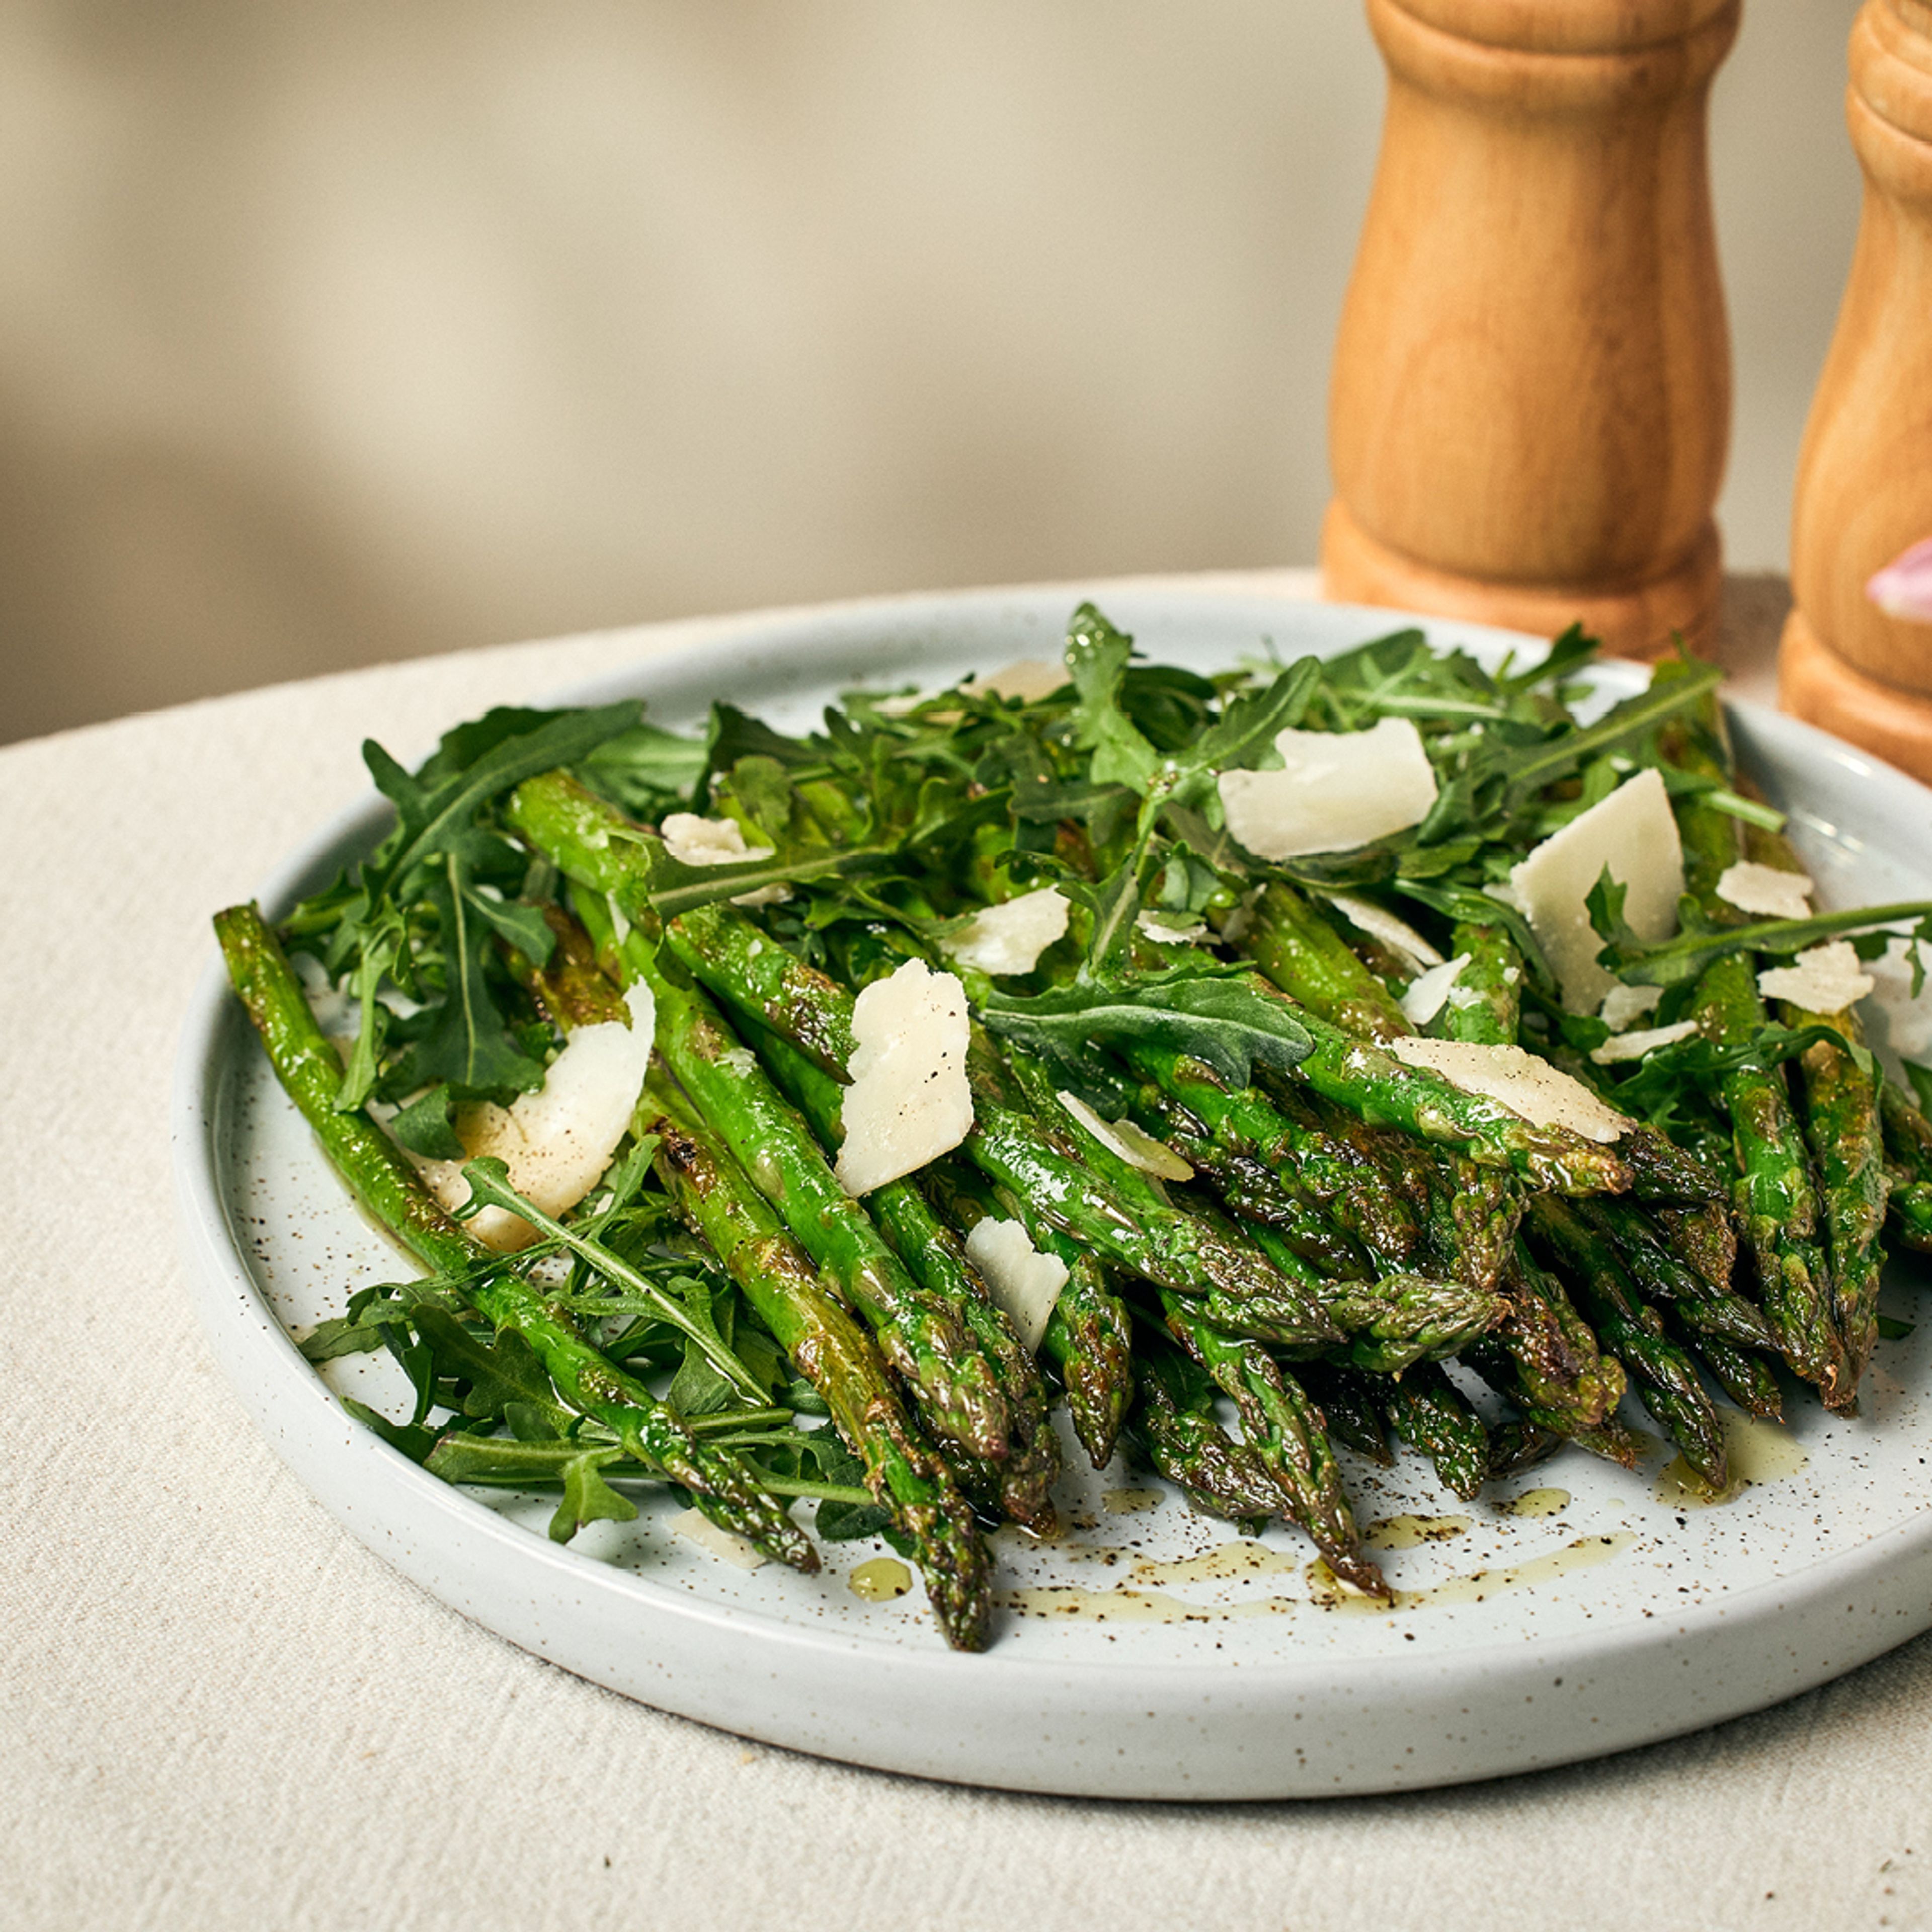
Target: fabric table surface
[218, 1710]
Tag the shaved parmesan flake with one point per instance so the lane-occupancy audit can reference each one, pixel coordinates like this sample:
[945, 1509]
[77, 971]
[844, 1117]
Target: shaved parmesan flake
[694, 1526]
[1010, 936]
[1028, 680]
[1123, 1138]
[1335, 789]
[1622, 1004]
[776, 893]
[1396, 934]
[1024, 1283]
[1425, 995]
[1767, 890]
[1155, 1156]
[557, 1141]
[909, 1102]
[1827, 979]
[692, 840]
[1635, 1046]
[1542, 1094]
[1163, 933]
[1632, 832]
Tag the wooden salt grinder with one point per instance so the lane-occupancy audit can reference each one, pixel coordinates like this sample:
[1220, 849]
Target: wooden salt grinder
[1864, 473]
[1532, 391]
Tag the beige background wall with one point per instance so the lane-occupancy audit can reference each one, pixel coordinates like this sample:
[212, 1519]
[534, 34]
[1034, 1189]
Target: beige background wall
[340, 333]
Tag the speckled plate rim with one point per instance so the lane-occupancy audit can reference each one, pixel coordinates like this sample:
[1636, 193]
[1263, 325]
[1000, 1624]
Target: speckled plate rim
[1299, 1728]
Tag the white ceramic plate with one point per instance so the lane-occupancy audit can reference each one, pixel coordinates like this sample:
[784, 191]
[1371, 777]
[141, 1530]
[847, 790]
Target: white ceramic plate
[1154, 1654]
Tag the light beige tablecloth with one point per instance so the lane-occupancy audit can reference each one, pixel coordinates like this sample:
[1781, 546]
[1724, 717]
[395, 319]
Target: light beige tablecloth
[217, 1710]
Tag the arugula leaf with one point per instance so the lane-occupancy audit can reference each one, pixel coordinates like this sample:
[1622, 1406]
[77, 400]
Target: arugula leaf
[645, 770]
[1490, 779]
[1568, 654]
[762, 789]
[373, 927]
[734, 734]
[1750, 811]
[1685, 956]
[415, 1441]
[622, 1183]
[1212, 846]
[465, 1039]
[851, 1522]
[417, 1359]
[675, 888]
[521, 926]
[1249, 725]
[423, 1127]
[505, 1462]
[489, 1179]
[1190, 884]
[942, 817]
[1399, 676]
[1168, 705]
[1920, 1077]
[818, 1458]
[1096, 661]
[382, 937]
[697, 1388]
[799, 1395]
[529, 1423]
[499, 1371]
[1049, 803]
[1561, 754]
[1691, 1067]
[429, 814]
[1114, 904]
[1219, 1016]
[1604, 903]
[354, 1334]
[587, 1497]
[462, 745]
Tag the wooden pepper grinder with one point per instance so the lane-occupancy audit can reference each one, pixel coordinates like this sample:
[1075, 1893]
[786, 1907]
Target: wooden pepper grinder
[1863, 493]
[1532, 391]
